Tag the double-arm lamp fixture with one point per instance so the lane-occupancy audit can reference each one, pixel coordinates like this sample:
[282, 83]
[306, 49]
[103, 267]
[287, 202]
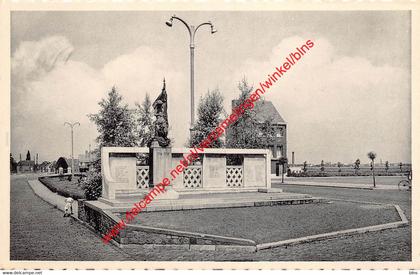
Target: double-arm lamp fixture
[191, 30]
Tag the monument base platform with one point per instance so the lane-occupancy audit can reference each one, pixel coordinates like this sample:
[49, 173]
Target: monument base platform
[170, 194]
[209, 200]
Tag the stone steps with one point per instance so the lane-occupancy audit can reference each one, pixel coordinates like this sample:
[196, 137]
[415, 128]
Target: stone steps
[123, 194]
[227, 201]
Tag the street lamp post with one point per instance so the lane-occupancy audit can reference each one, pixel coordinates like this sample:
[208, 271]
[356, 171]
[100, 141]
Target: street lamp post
[191, 30]
[72, 159]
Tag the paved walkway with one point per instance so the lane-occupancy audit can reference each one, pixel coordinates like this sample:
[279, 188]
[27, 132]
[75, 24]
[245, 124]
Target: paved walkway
[40, 232]
[52, 198]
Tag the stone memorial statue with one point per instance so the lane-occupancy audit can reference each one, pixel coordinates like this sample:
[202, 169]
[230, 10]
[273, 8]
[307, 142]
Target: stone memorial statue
[161, 126]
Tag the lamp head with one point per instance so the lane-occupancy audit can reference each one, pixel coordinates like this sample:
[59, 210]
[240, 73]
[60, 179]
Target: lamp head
[169, 22]
[213, 29]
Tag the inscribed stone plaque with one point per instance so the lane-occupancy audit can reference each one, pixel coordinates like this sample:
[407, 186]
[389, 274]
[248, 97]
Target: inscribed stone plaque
[255, 171]
[121, 173]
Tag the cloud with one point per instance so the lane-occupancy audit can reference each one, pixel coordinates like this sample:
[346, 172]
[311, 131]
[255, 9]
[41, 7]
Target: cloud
[338, 107]
[33, 59]
[142, 71]
[49, 89]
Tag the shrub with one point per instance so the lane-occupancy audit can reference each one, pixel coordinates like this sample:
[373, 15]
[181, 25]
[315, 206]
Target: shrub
[92, 185]
[51, 183]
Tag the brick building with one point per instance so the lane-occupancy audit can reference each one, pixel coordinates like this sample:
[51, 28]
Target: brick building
[265, 110]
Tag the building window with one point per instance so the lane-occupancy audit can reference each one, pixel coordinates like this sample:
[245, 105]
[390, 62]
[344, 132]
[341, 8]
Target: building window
[279, 132]
[271, 149]
[279, 152]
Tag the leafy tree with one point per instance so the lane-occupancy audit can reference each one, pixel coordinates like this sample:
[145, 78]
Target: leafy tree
[305, 166]
[13, 164]
[357, 166]
[210, 111]
[247, 131]
[282, 161]
[372, 155]
[116, 127]
[144, 122]
[114, 121]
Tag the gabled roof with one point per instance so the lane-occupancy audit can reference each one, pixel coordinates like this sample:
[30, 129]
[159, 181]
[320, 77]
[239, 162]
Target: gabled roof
[45, 164]
[68, 160]
[265, 110]
[26, 163]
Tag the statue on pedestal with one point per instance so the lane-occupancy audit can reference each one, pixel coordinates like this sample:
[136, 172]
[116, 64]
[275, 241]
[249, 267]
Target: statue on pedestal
[161, 126]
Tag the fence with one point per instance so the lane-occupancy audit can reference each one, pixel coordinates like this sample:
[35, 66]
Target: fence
[330, 171]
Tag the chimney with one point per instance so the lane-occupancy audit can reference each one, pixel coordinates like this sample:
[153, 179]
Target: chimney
[20, 157]
[293, 158]
[36, 162]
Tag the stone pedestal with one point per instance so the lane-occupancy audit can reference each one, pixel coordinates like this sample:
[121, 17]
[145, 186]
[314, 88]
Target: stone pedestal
[160, 168]
[122, 171]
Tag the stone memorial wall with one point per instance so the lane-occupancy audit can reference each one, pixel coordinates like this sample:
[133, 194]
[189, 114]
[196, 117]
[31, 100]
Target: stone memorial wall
[122, 175]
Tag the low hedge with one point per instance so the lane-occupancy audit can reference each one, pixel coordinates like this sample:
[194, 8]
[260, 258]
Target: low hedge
[51, 184]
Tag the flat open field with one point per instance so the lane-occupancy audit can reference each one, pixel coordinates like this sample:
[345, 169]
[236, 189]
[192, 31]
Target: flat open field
[273, 223]
[386, 180]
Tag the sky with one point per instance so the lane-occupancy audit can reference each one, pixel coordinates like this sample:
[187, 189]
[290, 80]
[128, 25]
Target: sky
[349, 95]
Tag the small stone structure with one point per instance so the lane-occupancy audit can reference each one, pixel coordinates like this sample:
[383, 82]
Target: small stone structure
[123, 177]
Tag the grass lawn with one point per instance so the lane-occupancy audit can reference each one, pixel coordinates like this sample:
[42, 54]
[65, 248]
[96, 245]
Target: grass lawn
[273, 223]
[64, 187]
[386, 180]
